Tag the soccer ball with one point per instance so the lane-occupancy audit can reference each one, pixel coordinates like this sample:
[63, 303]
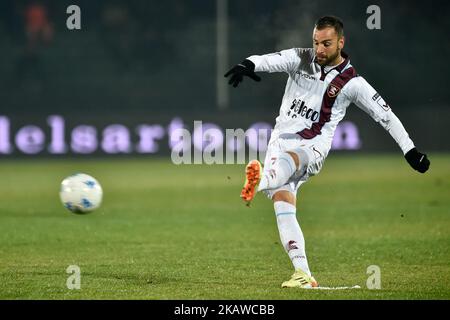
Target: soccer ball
[81, 193]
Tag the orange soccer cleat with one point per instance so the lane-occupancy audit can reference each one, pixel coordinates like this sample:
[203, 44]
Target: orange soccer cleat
[253, 173]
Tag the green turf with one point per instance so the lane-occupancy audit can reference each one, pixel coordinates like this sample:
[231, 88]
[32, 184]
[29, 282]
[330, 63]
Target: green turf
[181, 232]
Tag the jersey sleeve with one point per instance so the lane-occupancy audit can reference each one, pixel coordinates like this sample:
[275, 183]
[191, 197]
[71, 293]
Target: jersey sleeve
[282, 61]
[368, 99]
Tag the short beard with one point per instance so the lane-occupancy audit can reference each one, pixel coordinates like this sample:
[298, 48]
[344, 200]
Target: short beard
[330, 59]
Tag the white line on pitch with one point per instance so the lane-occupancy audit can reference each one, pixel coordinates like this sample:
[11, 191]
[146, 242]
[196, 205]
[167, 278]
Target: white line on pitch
[337, 288]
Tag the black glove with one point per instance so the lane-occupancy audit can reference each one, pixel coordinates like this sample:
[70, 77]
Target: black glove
[245, 68]
[417, 160]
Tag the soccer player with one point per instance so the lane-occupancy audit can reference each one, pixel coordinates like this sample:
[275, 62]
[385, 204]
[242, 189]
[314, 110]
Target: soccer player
[321, 85]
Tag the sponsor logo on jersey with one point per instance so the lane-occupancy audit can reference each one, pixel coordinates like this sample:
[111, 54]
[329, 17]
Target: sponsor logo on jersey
[306, 76]
[333, 90]
[299, 108]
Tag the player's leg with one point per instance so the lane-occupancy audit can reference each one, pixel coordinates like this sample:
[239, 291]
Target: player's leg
[282, 167]
[292, 239]
[279, 168]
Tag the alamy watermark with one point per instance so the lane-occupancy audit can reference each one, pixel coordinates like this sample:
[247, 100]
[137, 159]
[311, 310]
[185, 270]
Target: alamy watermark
[74, 280]
[374, 279]
[73, 22]
[207, 144]
[374, 20]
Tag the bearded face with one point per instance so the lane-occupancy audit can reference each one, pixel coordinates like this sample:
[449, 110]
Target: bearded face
[327, 46]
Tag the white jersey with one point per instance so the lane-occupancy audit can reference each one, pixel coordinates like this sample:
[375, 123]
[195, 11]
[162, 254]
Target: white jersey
[316, 98]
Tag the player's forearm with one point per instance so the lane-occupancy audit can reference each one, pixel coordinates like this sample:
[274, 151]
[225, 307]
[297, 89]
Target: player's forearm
[283, 61]
[265, 64]
[394, 126]
[417, 160]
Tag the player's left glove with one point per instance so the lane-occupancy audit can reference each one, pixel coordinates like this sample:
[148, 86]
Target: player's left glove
[417, 160]
[245, 68]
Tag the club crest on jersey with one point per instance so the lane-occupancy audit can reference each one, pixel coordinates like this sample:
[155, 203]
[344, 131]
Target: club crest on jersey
[333, 90]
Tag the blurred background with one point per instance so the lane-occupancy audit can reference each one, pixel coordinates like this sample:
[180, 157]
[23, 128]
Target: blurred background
[138, 68]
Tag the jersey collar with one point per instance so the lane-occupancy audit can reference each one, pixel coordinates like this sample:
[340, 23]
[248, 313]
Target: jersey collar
[339, 68]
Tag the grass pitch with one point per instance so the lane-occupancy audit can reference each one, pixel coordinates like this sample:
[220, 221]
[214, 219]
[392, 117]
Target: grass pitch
[182, 232]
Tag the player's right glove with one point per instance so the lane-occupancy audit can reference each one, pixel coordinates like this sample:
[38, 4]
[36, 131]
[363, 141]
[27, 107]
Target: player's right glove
[245, 68]
[417, 160]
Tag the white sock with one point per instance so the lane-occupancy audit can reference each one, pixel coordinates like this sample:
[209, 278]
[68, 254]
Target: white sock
[279, 173]
[291, 235]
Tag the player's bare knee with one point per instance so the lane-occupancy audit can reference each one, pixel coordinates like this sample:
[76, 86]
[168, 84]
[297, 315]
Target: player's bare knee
[301, 159]
[295, 157]
[285, 196]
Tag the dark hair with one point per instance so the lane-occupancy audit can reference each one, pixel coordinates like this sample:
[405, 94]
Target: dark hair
[331, 21]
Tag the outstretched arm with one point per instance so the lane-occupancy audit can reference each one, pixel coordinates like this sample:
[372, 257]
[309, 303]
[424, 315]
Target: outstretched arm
[283, 61]
[366, 98]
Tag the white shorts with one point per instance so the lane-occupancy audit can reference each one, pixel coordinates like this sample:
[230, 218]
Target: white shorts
[294, 143]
